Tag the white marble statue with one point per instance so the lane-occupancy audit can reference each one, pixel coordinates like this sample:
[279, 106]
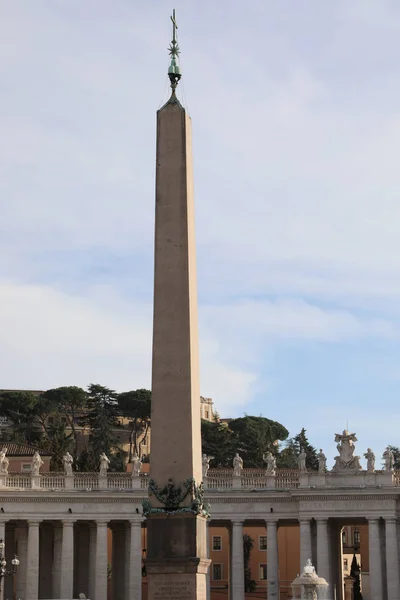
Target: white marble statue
[237, 465]
[205, 461]
[36, 464]
[370, 456]
[346, 461]
[136, 465]
[4, 462]
[104, 464]
[302, 460]
[321, 461]
[270, 459]
[67, 462]
[389, 459]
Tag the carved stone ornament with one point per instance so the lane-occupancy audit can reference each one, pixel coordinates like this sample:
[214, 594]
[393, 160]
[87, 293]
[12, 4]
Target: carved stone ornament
[171, 496]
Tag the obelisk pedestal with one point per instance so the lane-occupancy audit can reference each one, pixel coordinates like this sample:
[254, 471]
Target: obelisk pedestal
[177, 560]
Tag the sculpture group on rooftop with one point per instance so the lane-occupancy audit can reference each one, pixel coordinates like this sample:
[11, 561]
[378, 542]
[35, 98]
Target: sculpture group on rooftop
[346, 461]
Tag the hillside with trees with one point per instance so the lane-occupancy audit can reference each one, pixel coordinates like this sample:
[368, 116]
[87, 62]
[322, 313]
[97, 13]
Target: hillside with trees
[54, 420]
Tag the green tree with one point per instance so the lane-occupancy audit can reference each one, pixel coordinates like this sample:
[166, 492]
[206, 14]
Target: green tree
[288, 457]
[136, 406]
[355, 573]
[70, 403]
[102, 419]
[255, 436]
[249, 583]
[218, 441]
[19, 407]
[57, 441]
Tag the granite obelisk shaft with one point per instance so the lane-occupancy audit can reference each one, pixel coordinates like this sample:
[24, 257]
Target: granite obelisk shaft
[175, 418]
[176, 556]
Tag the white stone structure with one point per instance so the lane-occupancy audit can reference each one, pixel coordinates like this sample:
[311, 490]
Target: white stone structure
[59, 522]
[74, 521]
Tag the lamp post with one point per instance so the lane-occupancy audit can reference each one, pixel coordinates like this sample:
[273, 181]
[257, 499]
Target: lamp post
[3, 564]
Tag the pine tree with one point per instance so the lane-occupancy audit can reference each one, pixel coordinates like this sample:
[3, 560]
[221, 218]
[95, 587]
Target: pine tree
[289, 455]
[102, 419]
[355, 573]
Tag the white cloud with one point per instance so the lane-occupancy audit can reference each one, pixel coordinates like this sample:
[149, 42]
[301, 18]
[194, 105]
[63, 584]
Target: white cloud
[296, 138]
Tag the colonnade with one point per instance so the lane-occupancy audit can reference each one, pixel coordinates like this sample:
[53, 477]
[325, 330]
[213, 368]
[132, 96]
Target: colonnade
[61, 559]
[321, 540]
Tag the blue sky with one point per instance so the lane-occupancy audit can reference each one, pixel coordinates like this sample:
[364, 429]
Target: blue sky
[296, 125]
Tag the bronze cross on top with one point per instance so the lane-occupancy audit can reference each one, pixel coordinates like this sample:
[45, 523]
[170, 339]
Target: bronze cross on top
[175, 26]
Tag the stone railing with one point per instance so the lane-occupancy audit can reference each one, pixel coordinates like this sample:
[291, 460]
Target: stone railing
[216, 480]
[251, 479]
[77, 481]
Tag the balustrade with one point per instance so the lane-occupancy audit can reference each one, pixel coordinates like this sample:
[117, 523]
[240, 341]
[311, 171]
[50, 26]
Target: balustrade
[216, 480]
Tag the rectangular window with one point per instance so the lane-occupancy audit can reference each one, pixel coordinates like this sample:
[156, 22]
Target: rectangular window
[344, 537]
[263, 572]
[26, 467]
[345, 564]
[262, 542]
[217, 572]
[356, 537]
[216, 543]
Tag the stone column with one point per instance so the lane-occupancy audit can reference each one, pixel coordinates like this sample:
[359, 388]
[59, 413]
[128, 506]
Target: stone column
[67, 560]
[134, 561]
[3, 537]
[32, 564]
[392, 559]
[375, 560]
[92, 559]
[208, 576]
[272, 560]
[119, 563]
[57, 544]
[100, 583]
[305, 543]
[81, 559]
[323, 565]
[21, 535]
[45, 560]
[9, 582]
[237, 561]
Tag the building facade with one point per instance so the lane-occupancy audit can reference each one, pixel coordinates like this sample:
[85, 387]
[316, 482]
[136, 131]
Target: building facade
[60, 526]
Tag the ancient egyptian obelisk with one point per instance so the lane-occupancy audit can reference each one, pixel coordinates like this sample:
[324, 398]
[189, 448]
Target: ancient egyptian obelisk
[176, 516]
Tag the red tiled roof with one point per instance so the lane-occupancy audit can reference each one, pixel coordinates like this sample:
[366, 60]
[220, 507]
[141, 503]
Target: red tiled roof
[17, 449]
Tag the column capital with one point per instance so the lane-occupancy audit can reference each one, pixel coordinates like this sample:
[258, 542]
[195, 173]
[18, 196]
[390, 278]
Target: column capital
[237, 522]
[391, 520]
[101, 523]
[373, 520]
[136, 522]
[322, 521]
[68, 522]
[271, 522]
[34, 522]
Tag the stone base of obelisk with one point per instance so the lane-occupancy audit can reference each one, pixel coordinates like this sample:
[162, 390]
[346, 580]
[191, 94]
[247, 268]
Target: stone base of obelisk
[177, 562]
